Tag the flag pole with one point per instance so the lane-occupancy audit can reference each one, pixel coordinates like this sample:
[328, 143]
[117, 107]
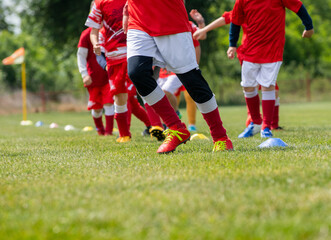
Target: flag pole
[24, 92]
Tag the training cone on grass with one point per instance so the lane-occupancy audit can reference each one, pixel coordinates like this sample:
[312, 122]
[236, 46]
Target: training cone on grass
[69, 128]
[198, 136]
[87, 129]
[26, 123]
[39, 124]
[273, 142]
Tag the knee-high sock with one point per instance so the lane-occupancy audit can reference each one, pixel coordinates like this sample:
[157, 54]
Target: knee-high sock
[268, 106]
[153, 117]
[191, 109]
[201, 93]
[109, 115]
[212, 116]
[275, 119]
[139, 111]
[121, 117]
[253, 106]
[141, 74]
[97, 118]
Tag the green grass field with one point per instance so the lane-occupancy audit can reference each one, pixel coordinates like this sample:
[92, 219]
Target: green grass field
[76, 185]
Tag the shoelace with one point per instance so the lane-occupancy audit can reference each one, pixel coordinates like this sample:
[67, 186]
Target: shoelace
[172, 133]
[220, 145]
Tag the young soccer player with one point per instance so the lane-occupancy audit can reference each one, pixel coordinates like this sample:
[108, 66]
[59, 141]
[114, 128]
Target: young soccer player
[109, 12]
[251, 128]
[96, 82]
[156, 33]
[263, 54]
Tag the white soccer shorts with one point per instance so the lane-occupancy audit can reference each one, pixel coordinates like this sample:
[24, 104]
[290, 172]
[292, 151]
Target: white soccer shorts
[254, 74]
[170, 83]
[174, 52]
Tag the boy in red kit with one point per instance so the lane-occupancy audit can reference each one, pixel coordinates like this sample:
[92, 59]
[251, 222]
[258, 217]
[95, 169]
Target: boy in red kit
[263, 52]
[109, 12]
[96, 82]
[224, 20]
[158, 33]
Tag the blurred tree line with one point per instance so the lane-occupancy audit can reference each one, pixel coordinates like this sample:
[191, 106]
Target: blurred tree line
[51, 29]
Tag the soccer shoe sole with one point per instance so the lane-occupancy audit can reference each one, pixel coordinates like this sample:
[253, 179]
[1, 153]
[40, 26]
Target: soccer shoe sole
[158, 134]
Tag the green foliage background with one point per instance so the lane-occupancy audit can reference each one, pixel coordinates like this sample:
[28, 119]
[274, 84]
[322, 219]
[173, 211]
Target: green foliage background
[51, 29]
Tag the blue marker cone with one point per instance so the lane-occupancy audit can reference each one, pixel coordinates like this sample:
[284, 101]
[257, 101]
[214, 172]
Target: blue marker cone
[273, 142]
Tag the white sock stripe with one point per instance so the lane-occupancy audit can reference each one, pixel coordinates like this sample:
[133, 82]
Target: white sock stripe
[121, 109]
[251, 94]
[269, 95]
[109, 110]
[96, 114]
[277, 103]
[154, 96]
[208, 106]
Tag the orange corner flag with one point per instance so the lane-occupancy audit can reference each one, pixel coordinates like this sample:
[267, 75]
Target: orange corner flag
[16, 58]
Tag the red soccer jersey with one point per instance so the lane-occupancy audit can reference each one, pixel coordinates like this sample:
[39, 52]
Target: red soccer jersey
[110, 13]
[158, 17]
[98, 75]
[265, 31]
[194, 28]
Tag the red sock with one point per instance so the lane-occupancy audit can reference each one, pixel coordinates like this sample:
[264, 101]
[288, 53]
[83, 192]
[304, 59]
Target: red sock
[122, 124]
[99, 125]
[253, 104]
[153, 117]
[109, 124]
[275, 119]
[139, 111]
[268, 112]
[167, 113]
[249, 118]
[215, 124]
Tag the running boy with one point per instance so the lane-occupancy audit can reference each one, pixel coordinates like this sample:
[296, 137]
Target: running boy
[263, 51]
[96, 82]
[156, 33]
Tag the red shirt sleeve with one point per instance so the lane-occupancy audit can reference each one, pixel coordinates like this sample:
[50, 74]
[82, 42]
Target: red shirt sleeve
[238, 16]
[293, 5]
[94, 19]
[84, 40]
[227, 16]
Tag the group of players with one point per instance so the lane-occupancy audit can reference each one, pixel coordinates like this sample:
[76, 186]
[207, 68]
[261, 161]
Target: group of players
[128, 41]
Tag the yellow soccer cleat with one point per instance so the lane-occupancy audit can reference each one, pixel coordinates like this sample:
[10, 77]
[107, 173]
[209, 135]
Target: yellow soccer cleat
[157, 132]
[123, 139]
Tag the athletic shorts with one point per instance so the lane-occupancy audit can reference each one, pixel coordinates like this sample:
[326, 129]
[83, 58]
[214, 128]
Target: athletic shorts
[99, 96]
[170, 84]
[174, 52]
[118, 78]
[254, 74]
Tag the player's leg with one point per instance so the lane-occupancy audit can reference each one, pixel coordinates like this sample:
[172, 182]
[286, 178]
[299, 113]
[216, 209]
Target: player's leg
[248, 82]
[275, 120]
[191, 109]
[141, 50]
[267, 79]
[95, 105]
[118, 78]
[108, 106]
[184, 64]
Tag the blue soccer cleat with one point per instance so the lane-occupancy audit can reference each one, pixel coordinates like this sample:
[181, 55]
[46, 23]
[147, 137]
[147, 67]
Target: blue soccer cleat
[192, 128]
[250, 131]
[266, 133]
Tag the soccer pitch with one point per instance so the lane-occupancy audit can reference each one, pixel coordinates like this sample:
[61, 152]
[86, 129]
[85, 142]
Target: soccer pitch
[76, 185]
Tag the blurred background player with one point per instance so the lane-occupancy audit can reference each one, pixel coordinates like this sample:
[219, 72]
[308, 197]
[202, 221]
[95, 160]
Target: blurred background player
[96, 82]
[224, 20]
[156, 34]
[263, 52]
[109, 13]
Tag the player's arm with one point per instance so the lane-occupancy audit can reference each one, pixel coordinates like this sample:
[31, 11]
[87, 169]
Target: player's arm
[82, 65]
[125, 18]
[306, 21]
[219, 22]
[198, 18]
[101, 59]
[94, 36]
[233, 38]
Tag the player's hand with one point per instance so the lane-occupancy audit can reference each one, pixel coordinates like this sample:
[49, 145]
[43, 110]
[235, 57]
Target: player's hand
[308, 33]
[232, 52]
[87, 80]
[97, 49]
[125, 23]
[199, 34]
[196, 16]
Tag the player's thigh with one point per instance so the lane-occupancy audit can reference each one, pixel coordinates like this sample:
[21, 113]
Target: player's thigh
[178, 52]
[268, 75]
[172, 84]
[249, 73]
